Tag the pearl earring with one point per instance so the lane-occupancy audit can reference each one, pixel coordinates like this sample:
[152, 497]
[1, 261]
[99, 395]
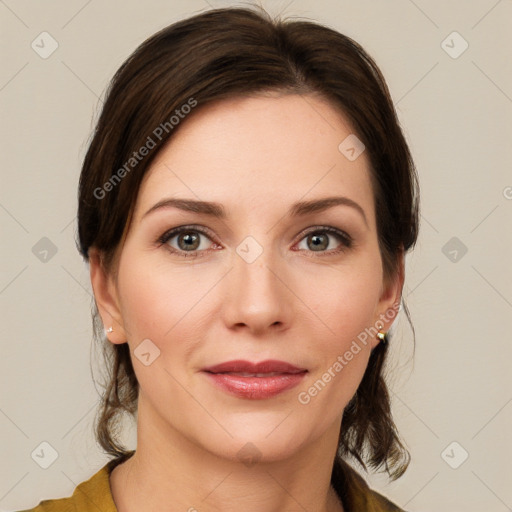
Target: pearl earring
[110, 329]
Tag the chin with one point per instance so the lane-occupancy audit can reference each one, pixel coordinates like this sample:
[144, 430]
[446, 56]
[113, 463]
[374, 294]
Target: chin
[260, 440]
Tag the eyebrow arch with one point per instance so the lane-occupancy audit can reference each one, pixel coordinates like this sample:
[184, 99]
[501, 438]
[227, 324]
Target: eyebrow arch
[319, 205]
[216, 210]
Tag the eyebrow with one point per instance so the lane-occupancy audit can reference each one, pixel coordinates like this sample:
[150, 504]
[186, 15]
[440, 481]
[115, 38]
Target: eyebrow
[216, 210]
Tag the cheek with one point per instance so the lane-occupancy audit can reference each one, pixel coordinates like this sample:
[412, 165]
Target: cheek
[172, 307]
[344, 300]
[142, 302]
[344, 308]
[158, 302]
[162, 305]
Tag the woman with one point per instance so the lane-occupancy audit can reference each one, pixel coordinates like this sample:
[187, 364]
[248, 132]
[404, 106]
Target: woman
[245, 206]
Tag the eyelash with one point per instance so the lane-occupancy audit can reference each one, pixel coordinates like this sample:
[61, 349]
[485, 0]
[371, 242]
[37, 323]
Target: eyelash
[344, 238]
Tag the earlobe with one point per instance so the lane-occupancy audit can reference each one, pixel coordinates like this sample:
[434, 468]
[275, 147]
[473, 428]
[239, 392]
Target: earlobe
[105, 296]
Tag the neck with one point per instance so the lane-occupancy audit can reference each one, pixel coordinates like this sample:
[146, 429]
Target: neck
[170, 472]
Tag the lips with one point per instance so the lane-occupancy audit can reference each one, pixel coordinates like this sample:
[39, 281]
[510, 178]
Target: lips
[265, 367]
[255, 381]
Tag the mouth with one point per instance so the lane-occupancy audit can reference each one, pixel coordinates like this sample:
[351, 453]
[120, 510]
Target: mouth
[255, 381]
[264, 367]
[248, 374]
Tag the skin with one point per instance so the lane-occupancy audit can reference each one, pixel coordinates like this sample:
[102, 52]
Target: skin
[256, 156]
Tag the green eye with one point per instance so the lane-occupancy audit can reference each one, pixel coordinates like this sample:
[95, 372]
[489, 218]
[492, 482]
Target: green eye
[319, 240]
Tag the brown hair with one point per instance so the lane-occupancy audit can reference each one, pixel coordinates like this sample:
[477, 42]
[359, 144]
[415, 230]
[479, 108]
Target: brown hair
[219, 54]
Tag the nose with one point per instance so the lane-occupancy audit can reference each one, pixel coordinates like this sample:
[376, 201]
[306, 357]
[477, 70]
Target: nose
[257, 296]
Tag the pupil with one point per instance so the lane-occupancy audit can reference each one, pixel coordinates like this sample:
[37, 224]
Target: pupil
[317, 242]
[190, 240]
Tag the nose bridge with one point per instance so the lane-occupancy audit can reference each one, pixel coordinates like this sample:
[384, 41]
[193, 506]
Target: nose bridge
[257, 295]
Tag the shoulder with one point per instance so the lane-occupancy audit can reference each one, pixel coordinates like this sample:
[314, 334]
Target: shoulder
[381, 503]
[91, 495]
[355, 493]
[57, 505]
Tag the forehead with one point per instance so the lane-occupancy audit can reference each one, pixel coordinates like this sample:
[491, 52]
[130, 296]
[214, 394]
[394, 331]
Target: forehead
[262, 151]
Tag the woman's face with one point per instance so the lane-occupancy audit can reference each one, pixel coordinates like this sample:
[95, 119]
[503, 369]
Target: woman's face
[264, 281]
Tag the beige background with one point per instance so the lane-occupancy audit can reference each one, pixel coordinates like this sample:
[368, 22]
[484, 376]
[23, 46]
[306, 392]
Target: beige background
[456, 114]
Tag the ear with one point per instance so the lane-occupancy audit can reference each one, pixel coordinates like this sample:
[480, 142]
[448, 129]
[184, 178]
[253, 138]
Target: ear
[389, 301]
[106, 297]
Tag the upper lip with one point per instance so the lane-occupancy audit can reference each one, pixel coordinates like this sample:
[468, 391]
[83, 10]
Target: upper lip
[268, 366]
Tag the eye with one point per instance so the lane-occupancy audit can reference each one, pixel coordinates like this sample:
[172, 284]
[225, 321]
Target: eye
[319, 240]
[188, 240]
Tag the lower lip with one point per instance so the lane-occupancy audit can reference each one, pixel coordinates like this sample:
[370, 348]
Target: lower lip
[256, 388]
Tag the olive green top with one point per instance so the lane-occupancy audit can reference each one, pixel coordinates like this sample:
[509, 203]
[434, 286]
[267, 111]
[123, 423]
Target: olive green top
[94, 495]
